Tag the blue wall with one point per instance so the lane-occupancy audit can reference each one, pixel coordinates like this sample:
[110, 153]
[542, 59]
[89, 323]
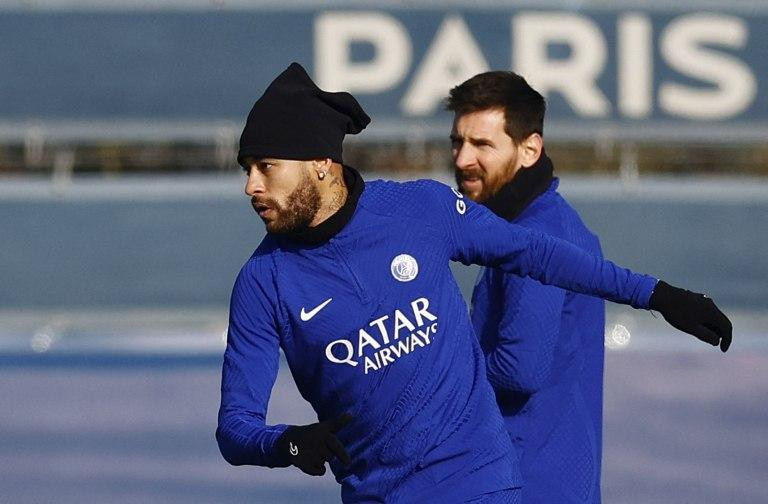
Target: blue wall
[183, 250]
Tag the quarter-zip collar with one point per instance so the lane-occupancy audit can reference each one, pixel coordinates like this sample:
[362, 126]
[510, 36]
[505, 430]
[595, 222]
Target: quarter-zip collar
[331, 226]
[527, 185]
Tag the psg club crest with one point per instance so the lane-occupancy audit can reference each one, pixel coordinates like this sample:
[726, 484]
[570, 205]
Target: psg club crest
[404, 268]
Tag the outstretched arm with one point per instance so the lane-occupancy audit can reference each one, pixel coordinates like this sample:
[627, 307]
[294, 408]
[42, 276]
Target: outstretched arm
[476, 235]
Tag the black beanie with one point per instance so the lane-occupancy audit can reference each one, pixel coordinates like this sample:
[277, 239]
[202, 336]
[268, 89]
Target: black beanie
[295, 119]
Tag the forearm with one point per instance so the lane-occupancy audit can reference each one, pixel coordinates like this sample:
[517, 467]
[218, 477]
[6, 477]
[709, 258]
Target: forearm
[512, 376]
[246, 440]
[556, 262]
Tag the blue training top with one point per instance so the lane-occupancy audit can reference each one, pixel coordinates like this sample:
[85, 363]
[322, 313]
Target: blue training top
[544, 349]
[394, 346]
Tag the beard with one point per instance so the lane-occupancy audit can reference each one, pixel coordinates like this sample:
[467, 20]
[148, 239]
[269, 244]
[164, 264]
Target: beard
[299, 210]
[490, 184]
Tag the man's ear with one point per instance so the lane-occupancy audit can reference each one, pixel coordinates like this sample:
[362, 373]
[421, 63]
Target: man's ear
[322, 167]
[530, 149]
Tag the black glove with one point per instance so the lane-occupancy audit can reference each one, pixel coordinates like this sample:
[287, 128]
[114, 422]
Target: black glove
[309, 447]
[693, 313]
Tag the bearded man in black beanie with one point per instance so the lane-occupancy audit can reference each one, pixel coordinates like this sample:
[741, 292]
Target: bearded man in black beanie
[293, 135]
[353, 283]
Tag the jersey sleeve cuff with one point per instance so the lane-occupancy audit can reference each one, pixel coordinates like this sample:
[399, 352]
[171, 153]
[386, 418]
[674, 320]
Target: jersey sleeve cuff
[644, 291]
[268, 446]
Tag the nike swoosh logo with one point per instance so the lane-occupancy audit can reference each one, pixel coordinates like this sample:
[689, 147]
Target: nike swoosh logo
[306, 315]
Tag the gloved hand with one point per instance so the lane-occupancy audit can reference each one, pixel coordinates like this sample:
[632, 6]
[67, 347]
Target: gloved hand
[309, 447]
[693, 313]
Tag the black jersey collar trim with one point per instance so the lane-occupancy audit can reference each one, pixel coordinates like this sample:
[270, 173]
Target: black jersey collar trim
[527, 185]
[331, 226]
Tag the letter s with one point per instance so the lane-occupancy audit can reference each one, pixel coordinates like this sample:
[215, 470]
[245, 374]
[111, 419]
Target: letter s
[682, 45]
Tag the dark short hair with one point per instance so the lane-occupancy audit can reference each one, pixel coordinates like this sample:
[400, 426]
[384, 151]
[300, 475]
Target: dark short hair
[524, 107]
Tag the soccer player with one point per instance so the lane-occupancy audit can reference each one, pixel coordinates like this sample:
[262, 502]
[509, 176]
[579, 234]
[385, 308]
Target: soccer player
[353, 282]
[543, 345]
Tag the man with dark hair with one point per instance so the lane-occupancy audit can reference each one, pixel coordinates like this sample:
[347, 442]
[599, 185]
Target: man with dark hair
[543, 345]
[353, 282]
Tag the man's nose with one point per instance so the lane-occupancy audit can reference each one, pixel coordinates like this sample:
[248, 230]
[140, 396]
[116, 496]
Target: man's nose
[464, 157]
[255, 183]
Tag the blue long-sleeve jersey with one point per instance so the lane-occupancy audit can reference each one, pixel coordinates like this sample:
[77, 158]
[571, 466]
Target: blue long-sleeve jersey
[372, 323]
[544, 354]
